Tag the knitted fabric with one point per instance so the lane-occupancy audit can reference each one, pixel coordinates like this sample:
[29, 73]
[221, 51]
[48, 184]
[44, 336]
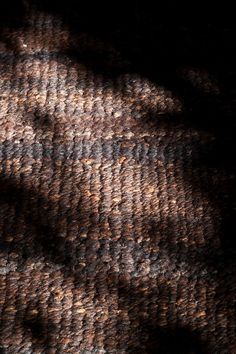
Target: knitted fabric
[117, 189]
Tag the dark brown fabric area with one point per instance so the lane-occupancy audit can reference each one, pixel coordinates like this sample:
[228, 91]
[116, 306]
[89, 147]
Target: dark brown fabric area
[117, 179]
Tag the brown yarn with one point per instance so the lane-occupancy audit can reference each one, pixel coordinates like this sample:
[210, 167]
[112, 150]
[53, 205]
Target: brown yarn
[116, 205]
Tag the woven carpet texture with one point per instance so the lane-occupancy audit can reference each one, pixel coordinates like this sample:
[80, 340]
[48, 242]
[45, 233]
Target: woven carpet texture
[117, 179]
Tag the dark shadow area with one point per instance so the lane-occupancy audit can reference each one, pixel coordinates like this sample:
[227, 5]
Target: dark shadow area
[176, 341]
[162, 339]
[41, 236]
[41, 331]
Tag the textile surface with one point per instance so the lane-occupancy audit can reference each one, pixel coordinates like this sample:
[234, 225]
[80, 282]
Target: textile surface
[117, 181]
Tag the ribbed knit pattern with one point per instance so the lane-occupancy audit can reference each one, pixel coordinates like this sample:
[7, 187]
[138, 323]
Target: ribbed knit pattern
[115, 212]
